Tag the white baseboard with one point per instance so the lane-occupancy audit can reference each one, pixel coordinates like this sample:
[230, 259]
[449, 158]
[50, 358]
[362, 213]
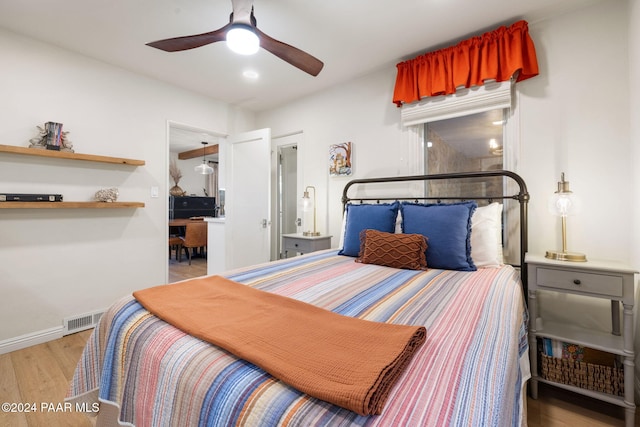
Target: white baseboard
[27, 340]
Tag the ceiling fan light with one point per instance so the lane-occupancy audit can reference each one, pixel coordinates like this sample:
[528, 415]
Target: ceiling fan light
[242, 40]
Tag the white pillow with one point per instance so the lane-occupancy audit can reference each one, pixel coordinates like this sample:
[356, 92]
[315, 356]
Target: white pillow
[486, 236]
[343, 227]
[399, 223]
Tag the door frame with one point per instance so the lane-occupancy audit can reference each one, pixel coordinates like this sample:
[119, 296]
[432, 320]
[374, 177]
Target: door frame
[277, 142]
[167, 179]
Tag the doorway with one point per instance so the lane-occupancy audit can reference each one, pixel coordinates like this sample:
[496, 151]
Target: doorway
[288, 221]
[197, 198]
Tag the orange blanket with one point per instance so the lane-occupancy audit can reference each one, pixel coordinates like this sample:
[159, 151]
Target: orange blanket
[349, 362]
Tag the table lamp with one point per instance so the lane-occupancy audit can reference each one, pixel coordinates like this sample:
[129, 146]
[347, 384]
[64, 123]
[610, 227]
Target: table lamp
[564, 203]
[307, 206]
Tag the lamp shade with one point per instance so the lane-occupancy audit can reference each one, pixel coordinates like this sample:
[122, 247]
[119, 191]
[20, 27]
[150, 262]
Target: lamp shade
[242, 40]
[204, 169]
[307, 204]
[564, 203]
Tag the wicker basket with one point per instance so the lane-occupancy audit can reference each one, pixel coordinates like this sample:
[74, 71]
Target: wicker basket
[605, 379]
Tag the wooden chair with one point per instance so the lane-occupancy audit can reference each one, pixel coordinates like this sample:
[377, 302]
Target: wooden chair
[175, 242]
[195, 237]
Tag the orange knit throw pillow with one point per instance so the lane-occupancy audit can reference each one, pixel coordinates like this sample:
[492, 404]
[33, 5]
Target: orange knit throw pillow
[405, 251]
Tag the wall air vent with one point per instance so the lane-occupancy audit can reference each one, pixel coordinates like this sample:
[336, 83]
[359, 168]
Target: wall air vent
[81, 322]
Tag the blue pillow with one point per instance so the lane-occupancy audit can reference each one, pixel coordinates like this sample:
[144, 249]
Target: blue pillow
[380, 217]
[447, 228]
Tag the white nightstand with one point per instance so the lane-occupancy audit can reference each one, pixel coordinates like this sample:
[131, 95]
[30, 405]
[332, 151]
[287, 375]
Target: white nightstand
[597, 279]
[304, 244]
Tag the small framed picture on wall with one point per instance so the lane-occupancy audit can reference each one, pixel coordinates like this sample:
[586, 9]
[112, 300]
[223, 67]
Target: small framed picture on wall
[340, 159]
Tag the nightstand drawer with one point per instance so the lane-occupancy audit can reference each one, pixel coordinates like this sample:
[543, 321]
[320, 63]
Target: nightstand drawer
[593, 283]
[298, 245]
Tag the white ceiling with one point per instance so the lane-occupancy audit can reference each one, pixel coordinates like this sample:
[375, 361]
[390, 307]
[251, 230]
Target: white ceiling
[352, 38]
[184, 138]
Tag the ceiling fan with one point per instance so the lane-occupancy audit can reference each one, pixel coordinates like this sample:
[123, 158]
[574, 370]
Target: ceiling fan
[243, 22]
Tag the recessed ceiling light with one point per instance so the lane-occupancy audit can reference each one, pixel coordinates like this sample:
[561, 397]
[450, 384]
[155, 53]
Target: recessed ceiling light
[498, 122]
[249, 74]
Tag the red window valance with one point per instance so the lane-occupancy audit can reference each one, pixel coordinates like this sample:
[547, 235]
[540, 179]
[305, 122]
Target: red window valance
[496, 55]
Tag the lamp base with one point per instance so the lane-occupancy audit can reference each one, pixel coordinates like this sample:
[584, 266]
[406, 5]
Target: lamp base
[566, 256]
[311, 233]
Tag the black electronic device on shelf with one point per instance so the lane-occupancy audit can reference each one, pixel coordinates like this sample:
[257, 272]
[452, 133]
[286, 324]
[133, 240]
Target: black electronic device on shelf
[30, 197]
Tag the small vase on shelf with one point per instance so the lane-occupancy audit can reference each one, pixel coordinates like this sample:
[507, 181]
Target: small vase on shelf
[175, 174]
[176, 191]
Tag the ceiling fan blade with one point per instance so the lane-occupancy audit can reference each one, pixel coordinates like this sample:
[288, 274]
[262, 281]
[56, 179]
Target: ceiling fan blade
[294, 56]
[242, 15]
[189, 42]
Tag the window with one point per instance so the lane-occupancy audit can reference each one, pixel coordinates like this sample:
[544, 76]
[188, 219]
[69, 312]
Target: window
[465, 131]
[467, 143]
[464, 144]
[457, 134]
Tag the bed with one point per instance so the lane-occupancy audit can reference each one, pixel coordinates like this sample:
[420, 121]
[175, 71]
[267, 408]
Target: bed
[471, 369]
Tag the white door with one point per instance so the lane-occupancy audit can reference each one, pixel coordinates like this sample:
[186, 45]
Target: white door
[248, 198]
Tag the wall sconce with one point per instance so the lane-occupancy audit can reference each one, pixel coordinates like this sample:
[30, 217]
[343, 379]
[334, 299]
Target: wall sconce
[204, 168]
[564, 203]
[307, 206]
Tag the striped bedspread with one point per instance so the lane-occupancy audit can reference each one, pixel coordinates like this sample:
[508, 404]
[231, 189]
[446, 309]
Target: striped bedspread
[470, 371]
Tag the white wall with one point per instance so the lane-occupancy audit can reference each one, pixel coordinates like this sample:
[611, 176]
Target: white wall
[634, 140]
[190, 182]
[360, 112]
[59, 263]
[634, 116]
[573, 118]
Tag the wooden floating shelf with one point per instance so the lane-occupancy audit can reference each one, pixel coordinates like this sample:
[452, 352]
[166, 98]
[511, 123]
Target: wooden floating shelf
[70, 205]
[68, 155]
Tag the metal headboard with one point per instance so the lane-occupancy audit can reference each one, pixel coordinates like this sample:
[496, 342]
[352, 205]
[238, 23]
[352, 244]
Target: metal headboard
[522, 196]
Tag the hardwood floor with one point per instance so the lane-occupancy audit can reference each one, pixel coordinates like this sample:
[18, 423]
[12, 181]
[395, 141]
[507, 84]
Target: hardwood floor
[41, 374]
[38, 377]
[182, 270]
[560, 408]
